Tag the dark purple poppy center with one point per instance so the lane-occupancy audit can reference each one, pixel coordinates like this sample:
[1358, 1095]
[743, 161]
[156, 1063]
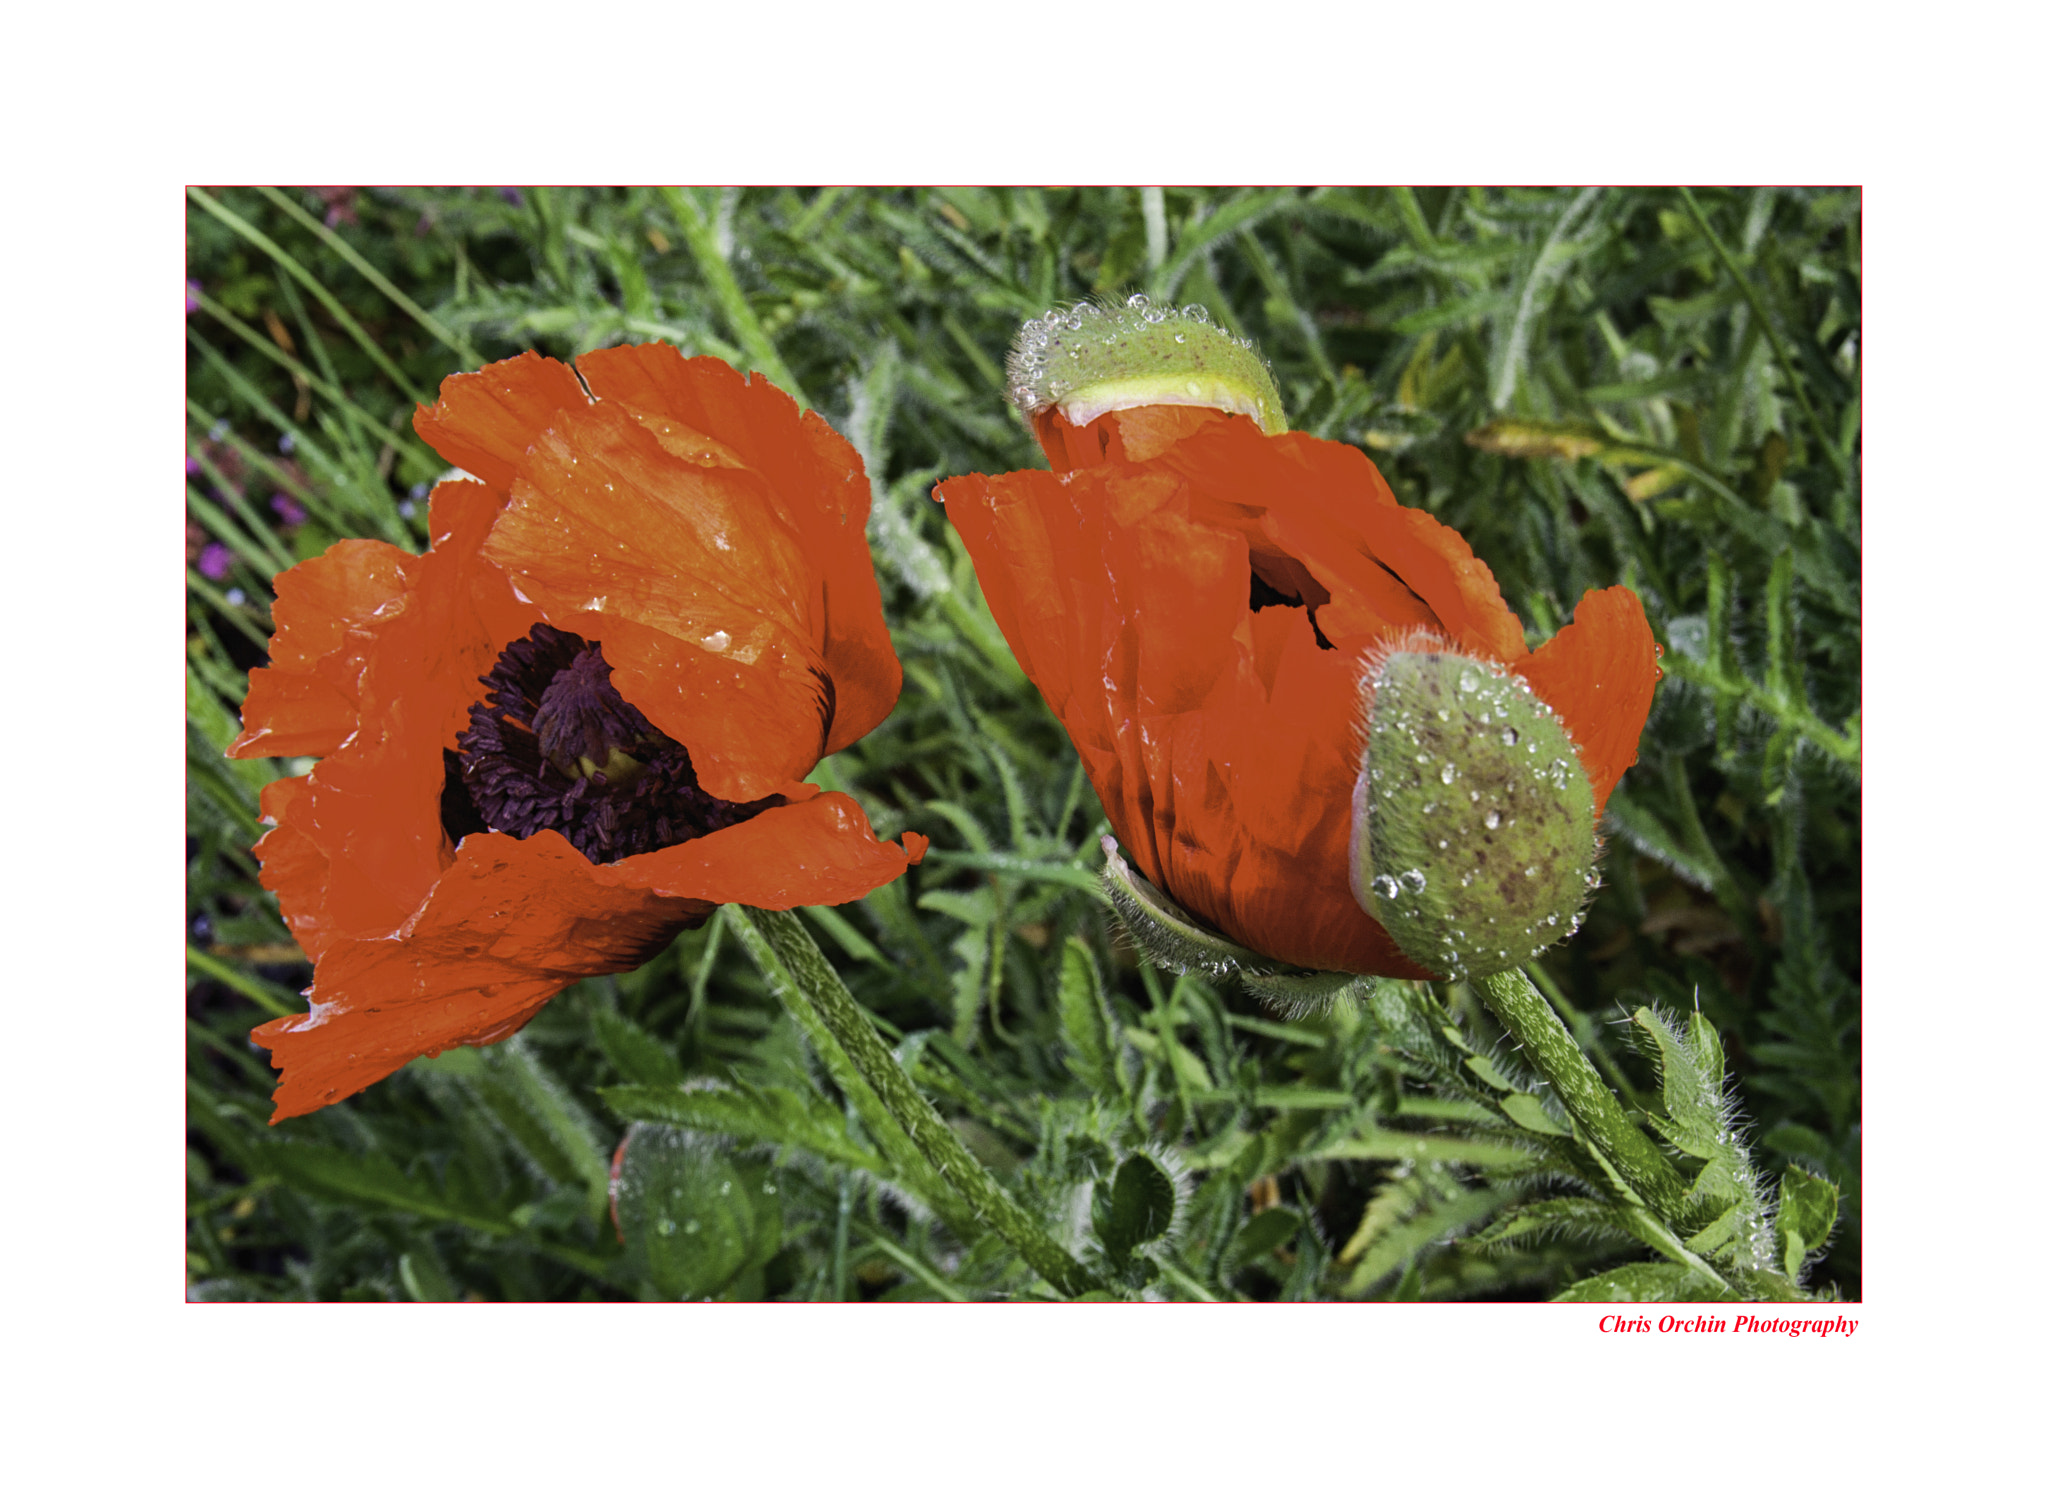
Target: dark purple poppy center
[554, 745]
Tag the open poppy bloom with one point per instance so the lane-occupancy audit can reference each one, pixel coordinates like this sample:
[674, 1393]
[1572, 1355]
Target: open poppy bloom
[581, 720]
[1196, 599]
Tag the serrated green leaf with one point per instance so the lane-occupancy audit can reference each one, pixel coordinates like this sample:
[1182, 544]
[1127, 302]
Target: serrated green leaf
[633, 1052]
[1807, 1205]
[1642, 1282]
[1575, 1216]
[1086, 1021]
[770, 1115]
[1138, 1207]
[1260, 1234]
[365, 1178]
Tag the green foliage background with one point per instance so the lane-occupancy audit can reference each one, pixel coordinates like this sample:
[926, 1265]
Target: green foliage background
[1650, 387]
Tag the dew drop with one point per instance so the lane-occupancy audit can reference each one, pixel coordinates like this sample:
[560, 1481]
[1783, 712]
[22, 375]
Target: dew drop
[1508, 737]
[1493, 819]
[1529, 872]
[1414, 881]
[1468, 683]
[1448, 774]
[1384, 886]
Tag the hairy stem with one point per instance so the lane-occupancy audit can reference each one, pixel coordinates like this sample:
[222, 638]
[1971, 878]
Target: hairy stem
[790, 959]
[1543, 1037]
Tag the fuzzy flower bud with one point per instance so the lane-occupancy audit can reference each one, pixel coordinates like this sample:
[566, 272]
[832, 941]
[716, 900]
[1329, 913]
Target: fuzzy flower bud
[1473, 831]
[1090, 360]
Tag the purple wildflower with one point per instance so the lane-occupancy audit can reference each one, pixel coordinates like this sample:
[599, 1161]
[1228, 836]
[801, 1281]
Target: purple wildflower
[214, 562]
[288, 511]
[191, 296]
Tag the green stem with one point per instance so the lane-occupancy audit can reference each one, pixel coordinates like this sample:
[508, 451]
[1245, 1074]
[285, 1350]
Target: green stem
[790, 959]
[905, 1161]
[726, 291]
[1551, 1048]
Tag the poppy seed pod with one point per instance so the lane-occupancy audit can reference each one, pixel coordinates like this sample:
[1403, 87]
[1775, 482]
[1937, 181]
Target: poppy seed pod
[1473, 828]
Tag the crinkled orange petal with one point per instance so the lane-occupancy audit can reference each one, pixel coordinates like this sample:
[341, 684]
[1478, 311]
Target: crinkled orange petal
[373, 805]
[1223, 741]
[1330, 508]
[485, 421]
[305, 702]
[818, 478]
[514, 921]
[701, 595]
[1600, 673]
[1212, 733]
[1120, 437]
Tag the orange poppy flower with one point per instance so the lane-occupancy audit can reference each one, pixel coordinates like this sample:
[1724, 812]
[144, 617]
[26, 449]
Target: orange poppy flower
[580, 720]
[1195, 599]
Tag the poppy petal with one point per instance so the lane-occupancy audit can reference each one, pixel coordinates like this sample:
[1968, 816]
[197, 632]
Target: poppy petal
[824, 490]
[514, 921]
[699, 592]
[1600, 673]
[306, 702]
[485, 421]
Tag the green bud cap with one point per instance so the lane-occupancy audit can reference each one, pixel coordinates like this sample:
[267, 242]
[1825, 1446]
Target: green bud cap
[1472, 828]
[1170, 938]
[1094, 359]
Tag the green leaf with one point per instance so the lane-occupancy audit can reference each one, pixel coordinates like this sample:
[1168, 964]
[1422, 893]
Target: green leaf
[1643, 1282]
[1525, 1111]
[1086, 1021]
[1573, 1216]
[1807, 1204]
[633, 1052]
[423, 1277]
[771, 1115]
[1138, 1207]
[1259, 1235]
[365, 1178]
[693, 1219]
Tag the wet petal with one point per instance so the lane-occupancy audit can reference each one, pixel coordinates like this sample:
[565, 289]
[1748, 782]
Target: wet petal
[817, 479]
[1600, 673]
[485, 421]
[306, 701]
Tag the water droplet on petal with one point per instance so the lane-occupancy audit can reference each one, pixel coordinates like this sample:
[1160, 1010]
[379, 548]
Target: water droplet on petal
[1493, 819]
[1448, 774]
[1384, 886]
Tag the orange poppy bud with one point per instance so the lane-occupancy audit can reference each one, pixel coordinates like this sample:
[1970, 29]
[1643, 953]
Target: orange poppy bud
[1472, 828]
[1196, 598]
[577, 722]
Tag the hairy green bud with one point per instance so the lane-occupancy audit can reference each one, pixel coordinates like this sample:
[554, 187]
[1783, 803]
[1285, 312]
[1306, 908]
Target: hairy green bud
[1094, 359]
[1472, 828]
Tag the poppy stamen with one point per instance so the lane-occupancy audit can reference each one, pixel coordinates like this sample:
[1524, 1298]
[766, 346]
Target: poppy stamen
[555, 745]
